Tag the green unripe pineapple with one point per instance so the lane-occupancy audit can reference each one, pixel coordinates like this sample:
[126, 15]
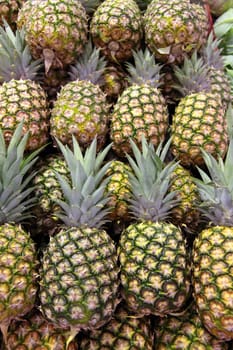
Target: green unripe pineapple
[116, 28]
[199, 120]
[47, 189]
[21, 96]
[81, 108]
[124, 331]
[174, 29]
[79, 271]
[18, 257]
[213, 247]
[55, 30]
[185, 331]
[141, 108]
[35, 332]
[152, 252]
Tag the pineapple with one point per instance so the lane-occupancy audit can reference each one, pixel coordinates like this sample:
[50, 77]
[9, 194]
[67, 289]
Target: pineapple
[199, 118]
[46, 190]
[152, 251]
[118, 189]
[79, 273]
[141, 108]
[124, 331]
[35, 332]
[185, 331]
[21, 97]
[175, 29]
[185, 214]
[81, 108]
[55, 30]
[213, 247]
[116, 28]
[18, 258]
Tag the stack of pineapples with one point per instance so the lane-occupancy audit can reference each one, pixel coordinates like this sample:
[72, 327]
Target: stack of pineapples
[116, 176]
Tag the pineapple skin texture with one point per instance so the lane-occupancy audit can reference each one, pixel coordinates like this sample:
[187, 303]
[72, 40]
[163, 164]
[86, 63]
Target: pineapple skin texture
[174, 29]
[24, 100]
[35, 332]
[213, 280]
[81, 109]
[154, 272]
[124, 331]
[185, 214]
[198, 122]
[185, 331]
[140, 110]
[79, 279]
[18, 277]
[116, 28]
[47, 190]
[59, 26]
[118, 189]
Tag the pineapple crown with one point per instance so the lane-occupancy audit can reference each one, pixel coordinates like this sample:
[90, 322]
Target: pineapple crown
[216, 184]
[85, 197]
[15, 57]
[14, 183]
[211, 53]
[150, 182]
[89, 66]
[145, 69]
[192, 76]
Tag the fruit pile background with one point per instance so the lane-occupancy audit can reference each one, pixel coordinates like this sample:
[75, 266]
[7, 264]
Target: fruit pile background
[102, 247]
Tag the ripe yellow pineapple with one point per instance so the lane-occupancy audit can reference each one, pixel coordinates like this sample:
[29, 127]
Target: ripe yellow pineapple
[21, 96]
[152, 252]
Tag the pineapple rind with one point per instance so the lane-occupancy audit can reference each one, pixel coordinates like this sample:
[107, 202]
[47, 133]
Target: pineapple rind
[213, 280]
[79, 278]
[124, 331]
[140, 110]
[81, 110]
[24, 100]
[59, 27]
[185, 331]
[154, 271]
[116, 27]
[174, 29]
[199, 123]
[18, 278]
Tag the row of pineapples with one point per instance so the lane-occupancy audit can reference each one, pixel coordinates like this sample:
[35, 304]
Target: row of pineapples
[118, 236]
[150, 289]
